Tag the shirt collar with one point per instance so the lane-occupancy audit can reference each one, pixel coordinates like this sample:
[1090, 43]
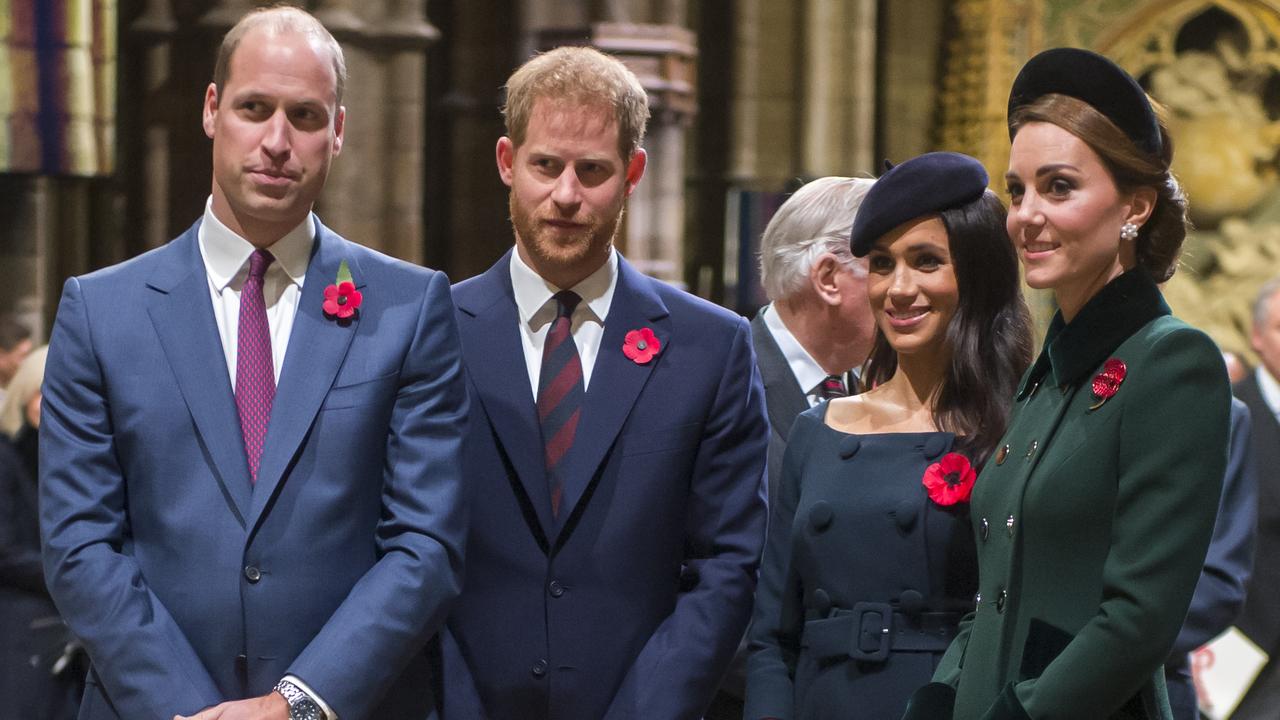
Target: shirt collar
[809, 374]
[533, 293]
[226, 253]
[1071, 350]
[1269, 387]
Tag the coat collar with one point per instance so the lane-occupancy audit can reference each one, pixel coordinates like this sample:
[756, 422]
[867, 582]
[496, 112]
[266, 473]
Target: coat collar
[1072, 350]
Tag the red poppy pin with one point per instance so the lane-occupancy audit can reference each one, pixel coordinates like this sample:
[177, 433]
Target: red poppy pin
[641, 345]
[342, 299]
[1107, 381]
[950, 480]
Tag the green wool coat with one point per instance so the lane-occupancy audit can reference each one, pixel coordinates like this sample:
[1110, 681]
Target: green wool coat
[1092, 520]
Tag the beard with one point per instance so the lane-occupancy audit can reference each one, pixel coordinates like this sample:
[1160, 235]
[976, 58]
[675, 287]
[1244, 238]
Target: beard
[548, 247]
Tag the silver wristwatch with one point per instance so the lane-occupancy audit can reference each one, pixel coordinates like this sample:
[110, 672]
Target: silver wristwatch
[301, 706]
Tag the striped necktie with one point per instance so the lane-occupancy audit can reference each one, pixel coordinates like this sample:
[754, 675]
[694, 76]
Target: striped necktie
[832, 386]
[560, 393]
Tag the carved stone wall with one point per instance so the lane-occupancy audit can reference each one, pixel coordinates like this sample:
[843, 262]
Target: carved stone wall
[1215, 64]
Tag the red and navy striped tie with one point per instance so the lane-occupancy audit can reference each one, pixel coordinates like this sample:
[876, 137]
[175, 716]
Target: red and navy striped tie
[560, 393]
[832, 387]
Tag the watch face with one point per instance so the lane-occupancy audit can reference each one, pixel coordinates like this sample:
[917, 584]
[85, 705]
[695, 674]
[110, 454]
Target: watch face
[305, 709]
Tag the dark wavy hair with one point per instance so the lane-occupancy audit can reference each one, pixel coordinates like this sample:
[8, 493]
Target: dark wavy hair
[989, 336]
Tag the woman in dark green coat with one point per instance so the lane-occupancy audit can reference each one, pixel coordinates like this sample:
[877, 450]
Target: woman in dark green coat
[1093, 519]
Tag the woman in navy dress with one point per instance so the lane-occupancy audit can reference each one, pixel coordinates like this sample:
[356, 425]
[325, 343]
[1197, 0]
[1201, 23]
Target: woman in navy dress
[870, 560]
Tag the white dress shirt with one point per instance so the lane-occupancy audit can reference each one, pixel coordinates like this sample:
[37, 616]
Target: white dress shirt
[537, 308]
[226, 263]
[1270, 389]
[809, 374]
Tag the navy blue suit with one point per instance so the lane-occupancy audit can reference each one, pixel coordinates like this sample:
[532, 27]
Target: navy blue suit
[189, 584]
[628, 603]
[1220, 591]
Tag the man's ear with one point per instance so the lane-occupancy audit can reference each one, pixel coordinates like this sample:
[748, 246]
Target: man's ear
[1142, 205]
[339, 124]
[635, 169]
[210, 110]
[822, 277]
[506, 156]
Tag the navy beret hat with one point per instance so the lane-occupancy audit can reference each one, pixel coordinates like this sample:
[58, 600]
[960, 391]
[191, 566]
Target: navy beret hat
[1097, 81]
[923, 185]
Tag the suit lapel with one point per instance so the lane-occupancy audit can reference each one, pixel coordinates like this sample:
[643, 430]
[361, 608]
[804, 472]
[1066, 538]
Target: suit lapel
[616, 381]
[783, 396]
[182, 314]
[495, 360]
[317, 347]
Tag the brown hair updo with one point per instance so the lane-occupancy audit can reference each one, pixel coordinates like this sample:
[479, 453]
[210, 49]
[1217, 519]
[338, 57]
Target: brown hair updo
[1160, 239]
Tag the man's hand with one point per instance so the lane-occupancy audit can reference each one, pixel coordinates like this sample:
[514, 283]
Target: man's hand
[271, 706]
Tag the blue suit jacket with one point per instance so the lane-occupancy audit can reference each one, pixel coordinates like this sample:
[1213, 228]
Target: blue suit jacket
[189, 584]
[630, 602]
[1220, 591]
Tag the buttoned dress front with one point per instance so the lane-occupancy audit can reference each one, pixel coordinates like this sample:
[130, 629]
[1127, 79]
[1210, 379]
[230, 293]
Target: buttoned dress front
[1092, 519]
[864, 578]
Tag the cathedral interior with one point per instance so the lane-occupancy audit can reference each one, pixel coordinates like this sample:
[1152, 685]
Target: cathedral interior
[102, 155]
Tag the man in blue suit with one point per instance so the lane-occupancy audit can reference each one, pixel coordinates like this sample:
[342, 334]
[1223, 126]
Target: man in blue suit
[615, 467]
[251, 437]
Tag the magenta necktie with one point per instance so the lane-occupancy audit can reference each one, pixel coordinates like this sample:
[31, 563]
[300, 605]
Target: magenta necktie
[831, 387]
[255, 374]
[560, 393]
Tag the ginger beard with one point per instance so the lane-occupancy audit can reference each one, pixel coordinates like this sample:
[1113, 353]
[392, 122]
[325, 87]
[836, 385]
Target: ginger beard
[558, 247]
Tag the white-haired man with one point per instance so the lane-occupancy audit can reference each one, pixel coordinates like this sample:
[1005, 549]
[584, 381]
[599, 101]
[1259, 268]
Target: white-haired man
[814, 333]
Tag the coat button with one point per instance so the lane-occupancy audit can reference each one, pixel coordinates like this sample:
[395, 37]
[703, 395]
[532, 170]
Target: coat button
[849, 447]
[905, 514]
[1008, 525]
[539, 668]
[984, 529]
[252, 574]
[977, 599]
[555, 588]
[820, 601]
[820, 516]
[911, 602]
[1001, 454]
[1031, 449]
[934, 447]
[1001, 599]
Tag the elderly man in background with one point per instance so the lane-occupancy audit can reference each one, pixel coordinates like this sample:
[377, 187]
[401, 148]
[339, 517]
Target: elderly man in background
[813, 335]
[1260, 619]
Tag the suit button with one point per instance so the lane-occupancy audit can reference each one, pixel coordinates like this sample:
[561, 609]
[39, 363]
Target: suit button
[1001, 599]
[539, 668]
[984, 529]
[1008, 525]
[820, 516]
[252, 574]
[555, 588]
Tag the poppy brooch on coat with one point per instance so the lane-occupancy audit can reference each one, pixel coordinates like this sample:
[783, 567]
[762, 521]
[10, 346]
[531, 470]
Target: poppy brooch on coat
[641, 345]
[950, 480]
[342, 299]
[1107, 381]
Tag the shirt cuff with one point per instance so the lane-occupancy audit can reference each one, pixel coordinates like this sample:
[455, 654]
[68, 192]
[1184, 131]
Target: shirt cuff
[315, 697]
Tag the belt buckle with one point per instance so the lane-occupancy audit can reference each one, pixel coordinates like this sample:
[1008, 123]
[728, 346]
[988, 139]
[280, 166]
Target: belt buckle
[867, 634]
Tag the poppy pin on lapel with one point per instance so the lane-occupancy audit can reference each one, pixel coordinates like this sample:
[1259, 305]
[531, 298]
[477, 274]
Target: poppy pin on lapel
[1107, 381]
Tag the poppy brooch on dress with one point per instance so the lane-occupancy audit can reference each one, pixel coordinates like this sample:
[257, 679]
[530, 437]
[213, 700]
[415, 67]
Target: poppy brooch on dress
[641, 345]
[950, 480]
[1107, 381]
[342, 299]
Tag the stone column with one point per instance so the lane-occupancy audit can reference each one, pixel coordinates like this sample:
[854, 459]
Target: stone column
[839, 100]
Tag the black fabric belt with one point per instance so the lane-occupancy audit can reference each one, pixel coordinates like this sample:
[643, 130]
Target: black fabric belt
[870, 631]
